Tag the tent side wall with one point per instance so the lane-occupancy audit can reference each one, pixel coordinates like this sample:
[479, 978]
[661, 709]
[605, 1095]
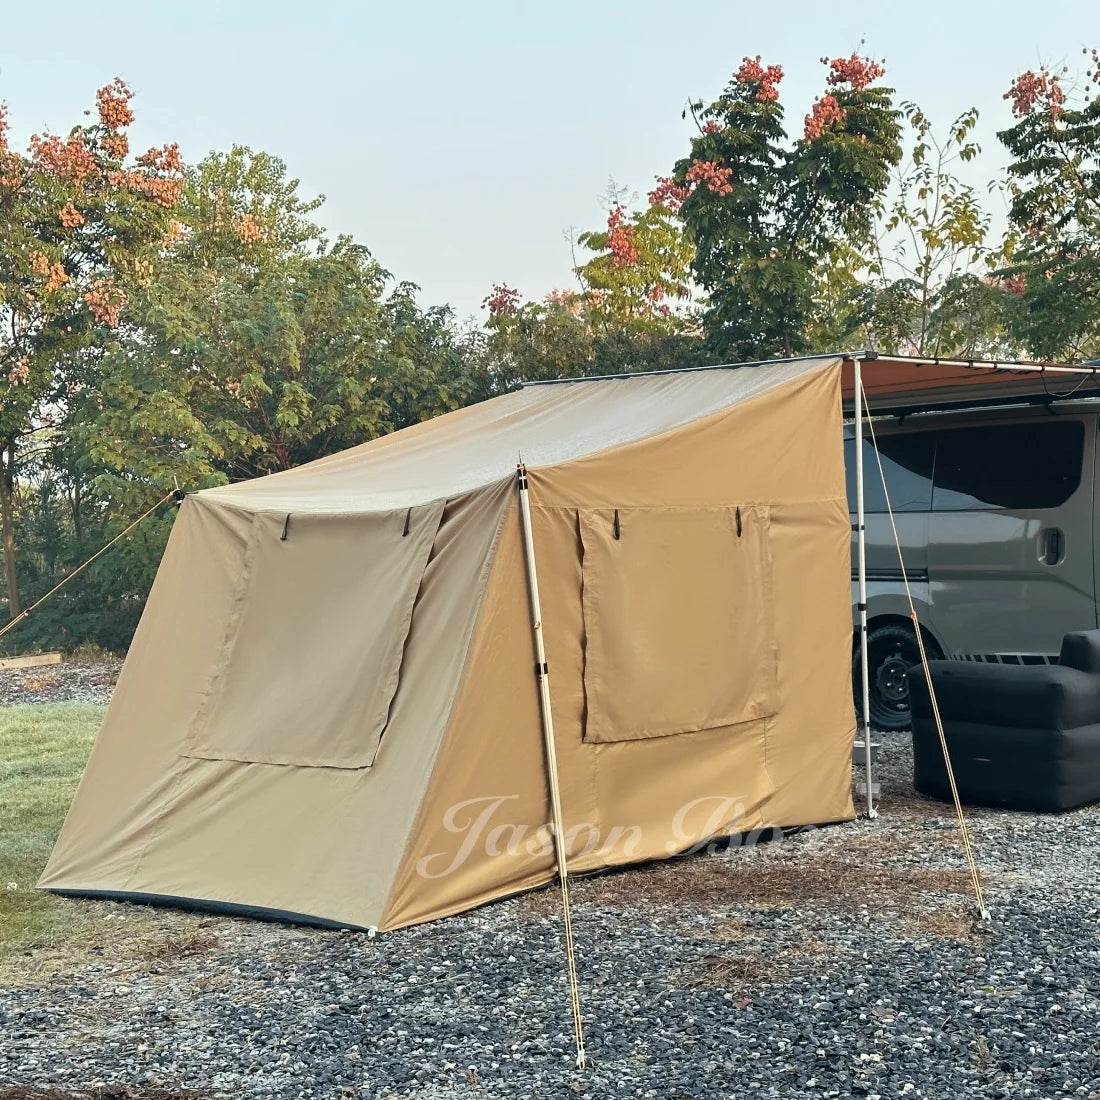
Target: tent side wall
[712, 723]
[133, 772]
[183, 800]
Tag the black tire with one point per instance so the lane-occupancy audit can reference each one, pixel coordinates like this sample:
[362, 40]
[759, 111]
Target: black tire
[891, 651]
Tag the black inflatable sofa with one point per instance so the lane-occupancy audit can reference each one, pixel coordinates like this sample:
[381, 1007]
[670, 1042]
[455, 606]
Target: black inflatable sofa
[1023, 737]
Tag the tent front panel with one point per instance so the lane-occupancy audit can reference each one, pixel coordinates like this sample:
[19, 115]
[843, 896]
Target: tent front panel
[784, 760]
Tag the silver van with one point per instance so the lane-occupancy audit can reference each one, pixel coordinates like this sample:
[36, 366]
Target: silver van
[996, 517]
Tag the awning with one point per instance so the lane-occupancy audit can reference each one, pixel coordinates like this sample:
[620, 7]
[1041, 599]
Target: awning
[901, 385]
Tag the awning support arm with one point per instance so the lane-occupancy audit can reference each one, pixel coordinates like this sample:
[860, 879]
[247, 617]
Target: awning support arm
[542, 674]
[861, 544]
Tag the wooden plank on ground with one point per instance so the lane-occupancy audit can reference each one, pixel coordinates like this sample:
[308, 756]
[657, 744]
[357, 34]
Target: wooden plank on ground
[32, 660]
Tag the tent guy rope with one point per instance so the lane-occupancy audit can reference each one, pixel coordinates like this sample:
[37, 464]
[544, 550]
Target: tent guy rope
[964, 828]
[84, 565]
[542, 672]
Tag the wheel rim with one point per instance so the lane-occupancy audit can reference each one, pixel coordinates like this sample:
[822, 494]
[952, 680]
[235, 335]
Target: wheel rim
[890, 678]
[889, 662]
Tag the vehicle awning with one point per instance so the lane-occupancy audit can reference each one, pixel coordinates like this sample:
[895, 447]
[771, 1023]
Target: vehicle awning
[896, 386]
[900, 385]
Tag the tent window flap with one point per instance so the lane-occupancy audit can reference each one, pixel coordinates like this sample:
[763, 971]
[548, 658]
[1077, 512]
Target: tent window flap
[313, 649]
[677, 620]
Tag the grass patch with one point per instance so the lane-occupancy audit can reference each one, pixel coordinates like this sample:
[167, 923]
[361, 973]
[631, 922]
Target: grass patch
[43, 750]
[43, 938]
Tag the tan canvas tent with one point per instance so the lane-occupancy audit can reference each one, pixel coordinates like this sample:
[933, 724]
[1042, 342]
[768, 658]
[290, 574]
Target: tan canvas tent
[331, 706]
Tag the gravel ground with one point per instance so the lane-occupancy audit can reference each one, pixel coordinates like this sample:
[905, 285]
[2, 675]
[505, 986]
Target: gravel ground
[840, 962]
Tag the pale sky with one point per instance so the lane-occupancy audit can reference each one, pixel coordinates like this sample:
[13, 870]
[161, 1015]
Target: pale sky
[460, 141]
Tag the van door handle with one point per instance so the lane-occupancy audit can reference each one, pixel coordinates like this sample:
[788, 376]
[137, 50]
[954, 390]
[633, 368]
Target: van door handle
[1052, 546]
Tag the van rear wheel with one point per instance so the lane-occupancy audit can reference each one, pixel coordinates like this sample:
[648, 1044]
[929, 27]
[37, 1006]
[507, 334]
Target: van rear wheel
[891, 651]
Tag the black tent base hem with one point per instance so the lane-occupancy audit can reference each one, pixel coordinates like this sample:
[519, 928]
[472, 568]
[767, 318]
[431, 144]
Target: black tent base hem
[214, 908]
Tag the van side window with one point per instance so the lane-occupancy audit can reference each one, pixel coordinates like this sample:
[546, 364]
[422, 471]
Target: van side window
[906, 466]
[1014, 466]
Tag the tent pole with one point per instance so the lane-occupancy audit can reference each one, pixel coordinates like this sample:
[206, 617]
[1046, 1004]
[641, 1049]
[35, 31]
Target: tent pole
[542, 674]
[861, 543]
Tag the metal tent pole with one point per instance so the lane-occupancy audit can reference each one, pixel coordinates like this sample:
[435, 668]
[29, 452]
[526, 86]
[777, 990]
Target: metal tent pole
[861, 543]
[542, 674]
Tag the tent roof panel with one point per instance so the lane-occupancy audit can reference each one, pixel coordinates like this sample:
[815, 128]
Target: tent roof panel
[544, 425]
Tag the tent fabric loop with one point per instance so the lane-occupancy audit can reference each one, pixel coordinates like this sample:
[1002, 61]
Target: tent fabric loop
[286, 528]
[737, 517]
[617, 529]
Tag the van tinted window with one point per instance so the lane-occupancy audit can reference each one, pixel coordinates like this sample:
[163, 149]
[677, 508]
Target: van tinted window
[906, 466]
[1017, 466]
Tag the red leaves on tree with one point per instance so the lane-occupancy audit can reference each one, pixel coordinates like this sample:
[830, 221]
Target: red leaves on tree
[70, 216]
[620, 238]
[11, 168]
[669, 194]
[113, 101]
[1030, 89]
[116, 146]
[855, 70]
[20, 374]
[68, 158]
[249, 228]
[106, 301]
[164, 159]
[52, 274]
[826, 112]
[766, 79]
[716, 178]
[503, 301]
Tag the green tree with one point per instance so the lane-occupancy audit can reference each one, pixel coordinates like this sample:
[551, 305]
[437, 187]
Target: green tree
[261, 346]
[768, 215]
[642, 262]
[631, 312]
[929, 287]
[1055, 211]
[569, 335]
[81, 224]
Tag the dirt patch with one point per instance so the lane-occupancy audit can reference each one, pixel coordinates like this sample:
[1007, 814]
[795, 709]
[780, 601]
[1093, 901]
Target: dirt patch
[745, 971]
[195, 941]
[844, 877]
[950, 921]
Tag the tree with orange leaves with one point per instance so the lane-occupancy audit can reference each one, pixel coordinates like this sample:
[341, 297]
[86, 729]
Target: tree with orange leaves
[1054, 187]
[81, 220]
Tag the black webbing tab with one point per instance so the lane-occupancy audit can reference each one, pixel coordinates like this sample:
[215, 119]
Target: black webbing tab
[737, 516]
[616, 528]
[858, 527]
[861, 607]
[286, 528]
[408, 521]
[542, 669]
